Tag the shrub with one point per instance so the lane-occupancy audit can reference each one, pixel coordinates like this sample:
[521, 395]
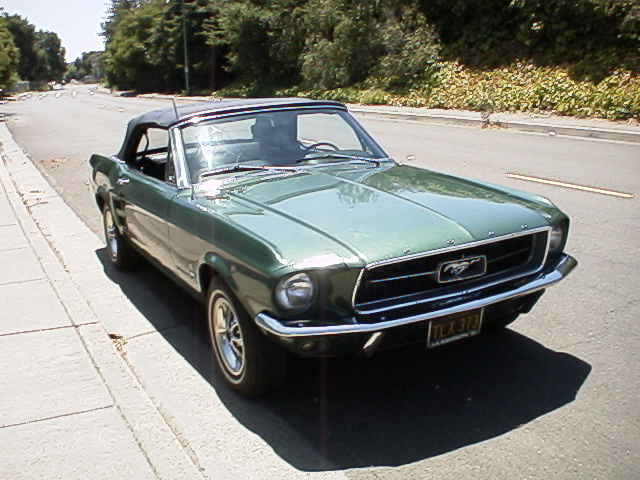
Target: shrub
[519, 87]
[410, 49]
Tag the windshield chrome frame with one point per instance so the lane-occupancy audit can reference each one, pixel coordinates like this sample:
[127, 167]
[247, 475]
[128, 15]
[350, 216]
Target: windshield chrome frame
[183, 178]
[212, 115]
[177, 149]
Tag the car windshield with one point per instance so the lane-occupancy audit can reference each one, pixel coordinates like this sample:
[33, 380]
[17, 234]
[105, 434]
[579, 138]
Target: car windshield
[275, 139]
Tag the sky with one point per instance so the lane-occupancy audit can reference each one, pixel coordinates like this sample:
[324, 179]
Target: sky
[77, 22]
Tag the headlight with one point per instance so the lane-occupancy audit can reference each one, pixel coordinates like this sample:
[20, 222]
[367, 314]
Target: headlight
[556, 238]
[295, 293]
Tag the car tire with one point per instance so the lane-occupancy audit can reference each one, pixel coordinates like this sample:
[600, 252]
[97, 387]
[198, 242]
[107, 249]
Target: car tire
[119, 251]
[250, 363]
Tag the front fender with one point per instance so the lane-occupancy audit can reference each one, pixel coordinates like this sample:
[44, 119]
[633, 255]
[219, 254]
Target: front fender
[220, 267]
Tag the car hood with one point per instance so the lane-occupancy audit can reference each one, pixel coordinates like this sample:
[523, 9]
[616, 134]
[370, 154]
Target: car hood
[365, 213]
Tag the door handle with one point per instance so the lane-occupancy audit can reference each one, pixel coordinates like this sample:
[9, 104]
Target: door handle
[122, 181]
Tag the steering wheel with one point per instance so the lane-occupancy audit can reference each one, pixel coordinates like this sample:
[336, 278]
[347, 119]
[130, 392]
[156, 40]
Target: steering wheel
[316, 145]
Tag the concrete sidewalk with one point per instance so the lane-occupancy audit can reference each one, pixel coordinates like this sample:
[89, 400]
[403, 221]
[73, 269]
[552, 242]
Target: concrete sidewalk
[69, 406]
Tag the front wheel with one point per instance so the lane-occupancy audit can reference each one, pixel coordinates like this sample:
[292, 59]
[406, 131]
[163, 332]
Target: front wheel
[250, 363]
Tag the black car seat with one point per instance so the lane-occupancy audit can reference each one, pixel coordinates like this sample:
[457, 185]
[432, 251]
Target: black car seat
[275, 146]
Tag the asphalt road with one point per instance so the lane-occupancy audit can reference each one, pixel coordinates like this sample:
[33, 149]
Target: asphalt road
[556, 396]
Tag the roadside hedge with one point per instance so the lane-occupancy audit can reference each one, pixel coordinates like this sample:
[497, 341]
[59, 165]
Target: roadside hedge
[520, 87]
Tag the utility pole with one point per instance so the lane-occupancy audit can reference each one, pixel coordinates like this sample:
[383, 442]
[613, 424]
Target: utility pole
[186, 54]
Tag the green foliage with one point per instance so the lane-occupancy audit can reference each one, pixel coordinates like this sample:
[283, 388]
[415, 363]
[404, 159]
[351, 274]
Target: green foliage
[490, 33]
[41, 53]
[411, 49]
[88, 64]
[9, 57]
[145, 44]
[126, 61]
[518, 87]
[576, 57]
[525, 87]
[244, 29]
[51, 62]
[24, 37]
[259, 42]
[115, 12]
[341, 44]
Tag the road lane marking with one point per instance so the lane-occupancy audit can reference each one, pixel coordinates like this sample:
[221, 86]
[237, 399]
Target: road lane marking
[574, 186]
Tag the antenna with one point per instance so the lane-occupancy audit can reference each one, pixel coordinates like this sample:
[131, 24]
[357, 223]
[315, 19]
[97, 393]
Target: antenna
[175, 108]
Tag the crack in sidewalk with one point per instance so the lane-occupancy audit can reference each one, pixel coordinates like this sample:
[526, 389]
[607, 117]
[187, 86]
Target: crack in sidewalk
[38, 330]
[37, 420]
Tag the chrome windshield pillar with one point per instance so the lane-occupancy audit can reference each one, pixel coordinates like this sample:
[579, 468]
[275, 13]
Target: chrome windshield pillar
[177, 149]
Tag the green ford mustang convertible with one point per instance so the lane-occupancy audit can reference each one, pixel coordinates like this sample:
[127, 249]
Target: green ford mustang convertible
[302, 236]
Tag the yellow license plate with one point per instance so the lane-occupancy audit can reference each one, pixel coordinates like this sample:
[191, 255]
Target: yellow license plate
[454, 327]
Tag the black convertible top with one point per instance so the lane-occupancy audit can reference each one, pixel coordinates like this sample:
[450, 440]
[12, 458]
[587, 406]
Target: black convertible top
[166, 117]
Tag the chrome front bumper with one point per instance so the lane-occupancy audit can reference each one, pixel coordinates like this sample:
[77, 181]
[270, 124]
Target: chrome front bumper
[273, 326]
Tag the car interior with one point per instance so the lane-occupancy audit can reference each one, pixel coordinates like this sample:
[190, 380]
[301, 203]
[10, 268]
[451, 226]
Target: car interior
[152, 155]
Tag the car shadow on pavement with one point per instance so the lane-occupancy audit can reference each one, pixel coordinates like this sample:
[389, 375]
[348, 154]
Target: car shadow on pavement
[4, 116]
[396, 408]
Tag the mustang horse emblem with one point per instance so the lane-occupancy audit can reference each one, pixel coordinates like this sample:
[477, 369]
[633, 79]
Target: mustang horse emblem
[458, 268]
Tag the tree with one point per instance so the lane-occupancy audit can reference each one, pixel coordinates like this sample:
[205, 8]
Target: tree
[328, 44]
[88, 64]
[41, 53]
[51, 63]
[115, 12]
[262, 41]
[342, 44]
[24, 37]
[127, 62]
[144, 48]
[9, 56]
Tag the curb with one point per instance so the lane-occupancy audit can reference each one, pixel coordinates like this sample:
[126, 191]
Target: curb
[149, 429]
[530, 127]
[440, 119]
[433, 118]
[570, 131]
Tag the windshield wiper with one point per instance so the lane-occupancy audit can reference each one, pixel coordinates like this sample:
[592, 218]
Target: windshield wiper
[239, 168]
[375, 161]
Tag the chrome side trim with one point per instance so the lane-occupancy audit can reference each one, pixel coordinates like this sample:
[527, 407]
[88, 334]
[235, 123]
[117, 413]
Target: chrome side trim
[273, 326]
[464, 246]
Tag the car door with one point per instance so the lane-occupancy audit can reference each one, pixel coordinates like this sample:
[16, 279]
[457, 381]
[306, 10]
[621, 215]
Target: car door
[145, 195]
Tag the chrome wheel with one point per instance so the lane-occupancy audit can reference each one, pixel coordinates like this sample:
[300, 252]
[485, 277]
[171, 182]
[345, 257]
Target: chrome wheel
[111, 234]
[227, 335]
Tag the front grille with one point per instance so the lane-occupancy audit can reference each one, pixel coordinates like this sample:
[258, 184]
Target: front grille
[414, 279]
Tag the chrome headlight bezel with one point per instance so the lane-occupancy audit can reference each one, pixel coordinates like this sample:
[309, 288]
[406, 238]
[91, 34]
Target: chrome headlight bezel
[295, 293]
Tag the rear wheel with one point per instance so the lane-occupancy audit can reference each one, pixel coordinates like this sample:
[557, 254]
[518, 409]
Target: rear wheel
[250, 363]
[121, 254]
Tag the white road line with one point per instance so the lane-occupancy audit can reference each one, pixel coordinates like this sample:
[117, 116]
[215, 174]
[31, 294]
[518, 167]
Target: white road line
[584, 188]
